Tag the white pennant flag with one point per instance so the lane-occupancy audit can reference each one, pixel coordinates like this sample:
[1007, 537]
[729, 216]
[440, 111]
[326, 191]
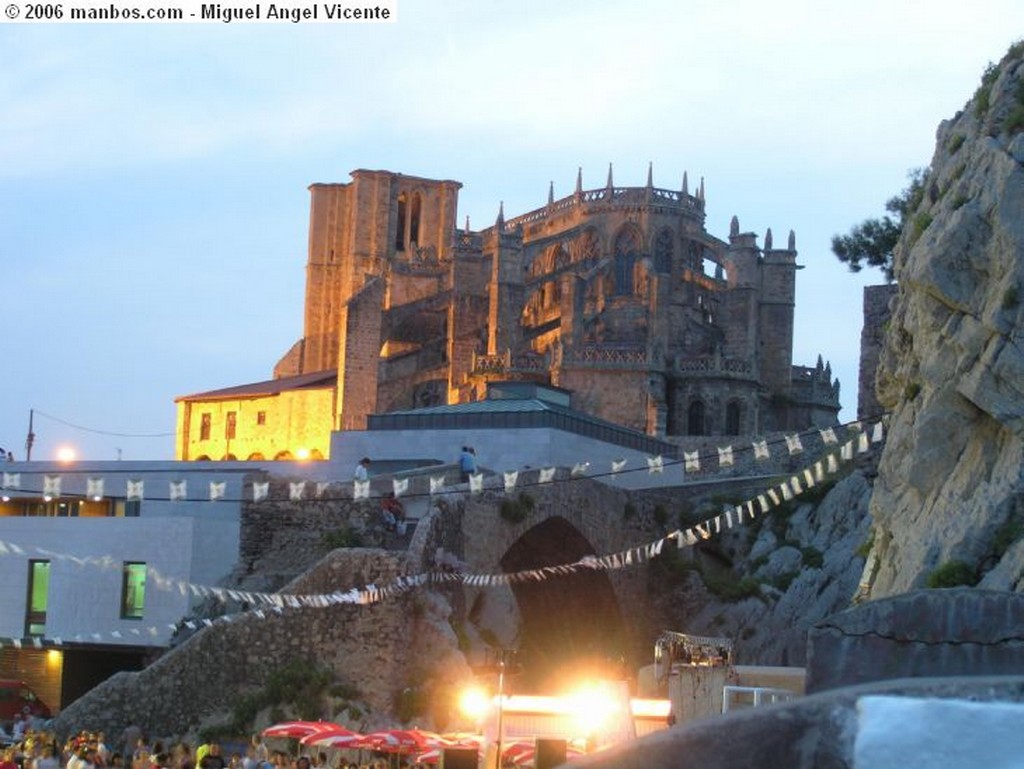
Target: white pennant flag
[808, 478]
[618, 464]
[12, 480]
[691, 538]
[135, 490]
[260, 491]
[725, 456]
[761, 450]
[728, 518]
[846, 452]
[400, 486]
[579, 468]
[321, 489]
[295, 491]
[718, 524]
[862, 443]
[877, 433]
[476, 482]
[217, 490]
[37, 642]
[762, 503]
[178, 490]
[51, 486]
[655, 464]
[436, 483]
[16, 642]
[786, 493]
[828, 436]
[510, 480]
[94, 488]
[793, 444]
[795, 483]
[360, 489]
[832, 464]
[547, 474]
[819, 471]
[750, 508]
[691, 460]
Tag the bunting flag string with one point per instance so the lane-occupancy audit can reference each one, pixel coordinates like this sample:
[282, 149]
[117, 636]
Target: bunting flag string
[255, 602]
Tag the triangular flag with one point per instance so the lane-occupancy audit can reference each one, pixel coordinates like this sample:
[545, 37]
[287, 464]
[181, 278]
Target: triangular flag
[725, 456]
[94, 488]
[794, 482]
[476, 482]
[436, 483]
[761, 450]
[833, 466]
[321, 489]
[808, 478]
[862, 443]
[510, 479]
[260, 491]
[217, 490]
[877, 433]
[295, 491]
[762, 503]
[135, 490]
[846, 452]
[655, 464]
[793, 444]
[178, 490]
[786, 493]
[691, 461]
[828, 436]
[547, 474]
[12, 480]
[400, 486]
[579, 468]
[618, 464]
[819, 471]
[360, 489]
[51, 486]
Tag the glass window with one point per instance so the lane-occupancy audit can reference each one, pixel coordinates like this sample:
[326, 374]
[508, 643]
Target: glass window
[204, 426]
[229, 425]
[38, 597]
[261, 417]
[133, 590]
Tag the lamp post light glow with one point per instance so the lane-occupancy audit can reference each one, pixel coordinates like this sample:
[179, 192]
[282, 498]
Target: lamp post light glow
[66, 454]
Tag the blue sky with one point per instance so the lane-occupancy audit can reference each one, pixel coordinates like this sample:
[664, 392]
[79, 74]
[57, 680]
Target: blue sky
[153, 202]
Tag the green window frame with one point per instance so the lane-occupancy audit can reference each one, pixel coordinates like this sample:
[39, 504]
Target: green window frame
[133, 590]
[38, 598]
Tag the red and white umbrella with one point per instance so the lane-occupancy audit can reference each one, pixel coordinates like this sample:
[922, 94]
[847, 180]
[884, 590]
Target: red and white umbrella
[340, 737]
[400, 741]
[521, 753]
[457, 740]
[299, 729]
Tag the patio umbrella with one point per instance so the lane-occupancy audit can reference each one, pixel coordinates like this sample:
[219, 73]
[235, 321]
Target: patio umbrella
[299, 729]
[336, 738]
[522, 753]
[400, 741]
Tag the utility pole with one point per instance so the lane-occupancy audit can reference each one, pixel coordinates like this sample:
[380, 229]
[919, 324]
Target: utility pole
[30, 438]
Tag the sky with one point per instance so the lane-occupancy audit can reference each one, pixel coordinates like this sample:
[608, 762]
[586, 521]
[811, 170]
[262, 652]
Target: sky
[153, 201]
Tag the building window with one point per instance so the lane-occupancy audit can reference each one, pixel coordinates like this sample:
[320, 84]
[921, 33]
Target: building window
[627, 253]
[400, 228]
[133, 590]
[695, 418]
[414, 219]
[663, 252]
[38, 597]
[732, 418]
[261, 417]
[229, 425]
[204, 426]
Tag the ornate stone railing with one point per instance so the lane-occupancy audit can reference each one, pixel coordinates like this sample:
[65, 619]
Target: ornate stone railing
[606, 355]
[505, 362]
[714, 365]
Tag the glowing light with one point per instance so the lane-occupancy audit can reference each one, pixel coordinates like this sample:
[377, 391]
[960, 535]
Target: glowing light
[53, 658]
[474, 703]
[592, 706]
[302, 454]
[66, 454]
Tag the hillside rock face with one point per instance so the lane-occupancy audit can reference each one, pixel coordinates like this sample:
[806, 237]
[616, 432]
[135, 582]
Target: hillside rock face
[951, 478]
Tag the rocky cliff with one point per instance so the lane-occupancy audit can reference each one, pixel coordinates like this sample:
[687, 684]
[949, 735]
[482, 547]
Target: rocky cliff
[949, 498]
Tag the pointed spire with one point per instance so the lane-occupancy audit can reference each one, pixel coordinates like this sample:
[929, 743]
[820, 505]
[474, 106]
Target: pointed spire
[792, 240]
[686, 185]
[467, 222]
[734, 226]
[768, 240]
[500, 221]
[609, 185]
[820, 364]
[579, 180]
[700, 192]
[650, 174]
[551, 193]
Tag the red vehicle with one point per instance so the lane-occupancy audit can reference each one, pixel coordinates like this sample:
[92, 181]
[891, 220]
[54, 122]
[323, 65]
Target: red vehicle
[16, 697]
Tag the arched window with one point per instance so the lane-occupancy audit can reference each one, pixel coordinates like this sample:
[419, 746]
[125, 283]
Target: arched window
[627, 252]
[733, 414]
[400, 227]
[414, 219]
[695, 418]
[663, 252]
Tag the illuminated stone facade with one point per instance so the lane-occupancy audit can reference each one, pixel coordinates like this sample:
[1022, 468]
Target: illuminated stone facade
[618, 294]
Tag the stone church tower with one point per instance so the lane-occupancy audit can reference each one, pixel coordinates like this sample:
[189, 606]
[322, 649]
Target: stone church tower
[618, 294]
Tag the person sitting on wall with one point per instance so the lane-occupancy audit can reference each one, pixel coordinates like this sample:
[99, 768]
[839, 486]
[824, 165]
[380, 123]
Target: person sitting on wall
[467, 463]
[362, 470]
[391, 511]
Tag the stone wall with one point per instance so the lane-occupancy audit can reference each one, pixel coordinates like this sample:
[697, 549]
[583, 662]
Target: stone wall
[872, 335]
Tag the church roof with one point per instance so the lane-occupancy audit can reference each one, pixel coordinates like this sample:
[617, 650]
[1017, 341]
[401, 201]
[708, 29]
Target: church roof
[311, 381]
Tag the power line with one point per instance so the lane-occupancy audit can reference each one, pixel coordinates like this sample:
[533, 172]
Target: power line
[101, 432]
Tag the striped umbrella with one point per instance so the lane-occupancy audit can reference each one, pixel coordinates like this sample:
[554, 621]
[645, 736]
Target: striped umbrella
[299, 729]
[336, 738]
